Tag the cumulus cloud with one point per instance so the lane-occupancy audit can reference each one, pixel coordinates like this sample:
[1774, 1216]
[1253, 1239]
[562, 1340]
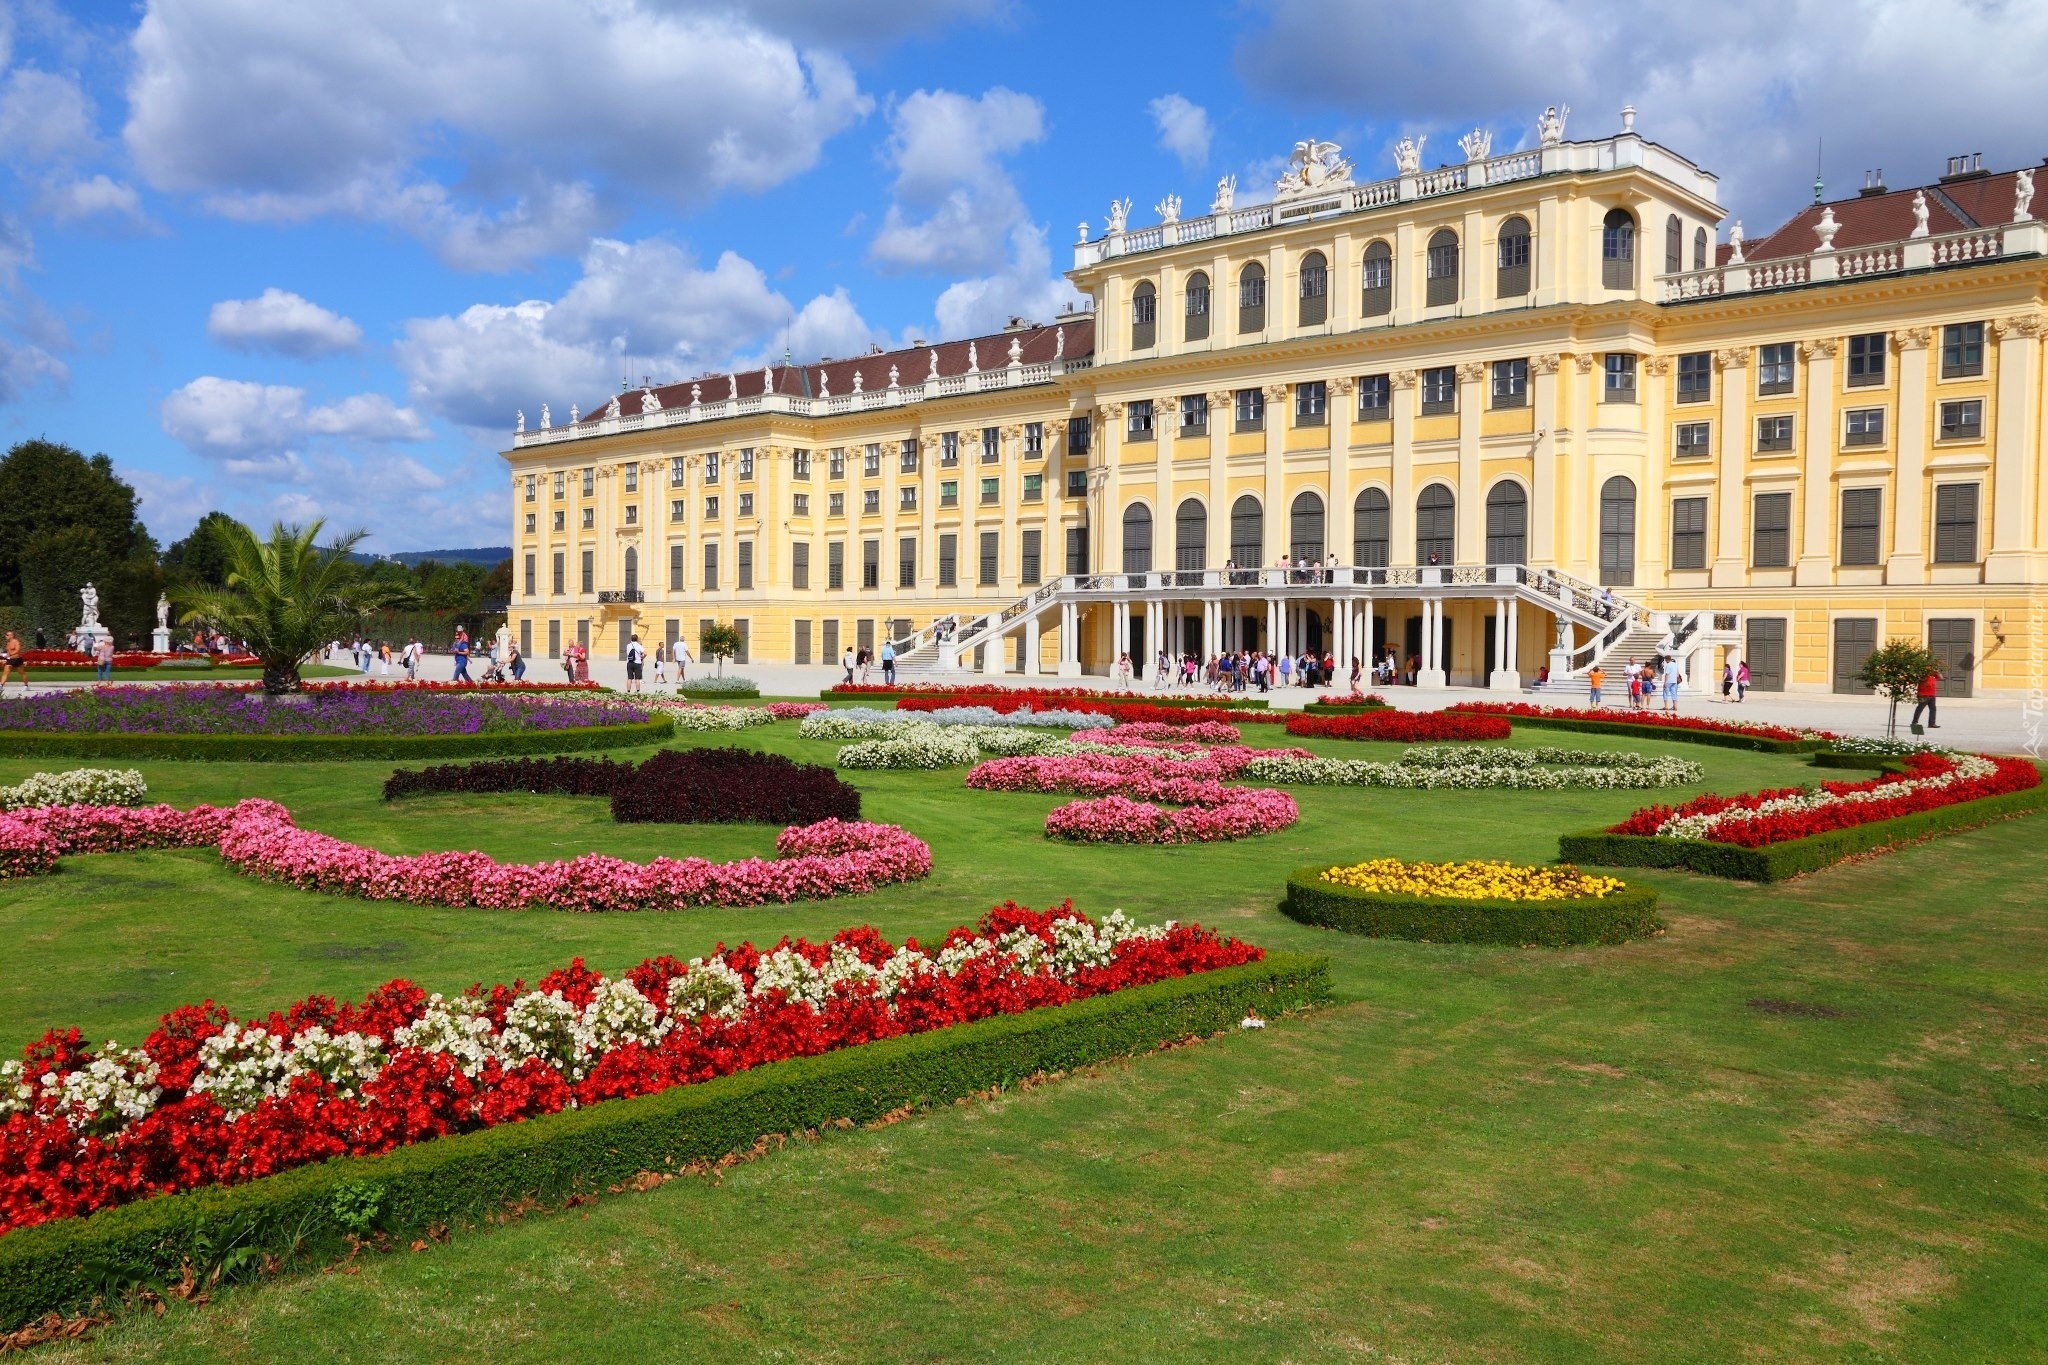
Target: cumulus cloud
[551, 107]
[955, 204]
[1026, 286]
[1972, 70]
[253, 426]
[283, 323]
[100, 196]
[44, 118]
[1183, 129]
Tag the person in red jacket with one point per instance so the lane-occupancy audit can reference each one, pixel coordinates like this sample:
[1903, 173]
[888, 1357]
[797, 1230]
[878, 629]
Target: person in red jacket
[1930, 686]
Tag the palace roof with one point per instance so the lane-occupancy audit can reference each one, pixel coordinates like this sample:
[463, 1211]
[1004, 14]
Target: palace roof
[1953, 205]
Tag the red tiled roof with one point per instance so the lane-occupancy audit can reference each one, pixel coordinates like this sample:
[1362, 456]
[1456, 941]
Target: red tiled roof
[1036, 345]
[1986, 198]
[1983, 201]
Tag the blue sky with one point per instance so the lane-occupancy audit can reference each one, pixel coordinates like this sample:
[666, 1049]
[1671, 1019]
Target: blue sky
[306, 259]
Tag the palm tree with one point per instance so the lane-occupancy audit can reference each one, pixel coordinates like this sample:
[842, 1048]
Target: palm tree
[286, 596]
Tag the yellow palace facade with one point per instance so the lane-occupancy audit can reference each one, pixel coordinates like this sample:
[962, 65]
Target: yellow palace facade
[1516, 414]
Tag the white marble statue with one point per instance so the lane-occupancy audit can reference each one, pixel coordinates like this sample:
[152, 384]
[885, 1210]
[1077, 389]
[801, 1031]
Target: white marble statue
[1059, 343]
[545, 420]
[892, 376]
[89, 599]
[1408, 154]
[1226, 195]
[163, 612]
[824, 384]
[1735, 243]
[767, 379]
[733, 380]
[1119, 214]
[572, 414]
[973, 359]
[1919, 214]
[519, 424]
[648, 402]
[503, 651]
[1313, 167]
[611, 409]
[1477, 144]
[1168, 209]
[934, 373]
[2023, 196]
[1826, 229]
[1550, 124]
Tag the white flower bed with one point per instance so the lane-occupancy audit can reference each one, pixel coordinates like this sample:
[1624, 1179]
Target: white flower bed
[691, 717]
[1513, 769]
[1878, 744]
[79, 787]
[863, 722]
[1967, 767]
[920, 747]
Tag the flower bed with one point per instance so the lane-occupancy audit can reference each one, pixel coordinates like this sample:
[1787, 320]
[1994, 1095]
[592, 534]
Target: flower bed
[860, 722]
[675, 786]
[1779, 833]
[136, 659]
[1125, 788]
[696, 716]
[1400, 727]
[1655, 725]
[795, 710]
[79, 787]
[258, 838]
[1473, 902]
[434, 685]
[1141, 732]
[1537, 769]
[1123, 712]
[719, 687]
[1041, 696]
[914, 748]
[209, 1100]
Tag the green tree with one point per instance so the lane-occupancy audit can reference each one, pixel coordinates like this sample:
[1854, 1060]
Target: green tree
[1894, 671]
[199, 559]
[56, 563]
[497, 584]
[287, 596]
[450, 587]
[718, 641]
[45, 486]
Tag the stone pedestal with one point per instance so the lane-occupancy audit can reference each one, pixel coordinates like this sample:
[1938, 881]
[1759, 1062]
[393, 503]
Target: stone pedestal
[90, 636]
[160, 640]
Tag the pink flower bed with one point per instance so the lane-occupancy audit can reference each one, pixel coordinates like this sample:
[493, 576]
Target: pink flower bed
[794, 710]
[1240, 813]
[1126, 786]
[1201, 732]
[256, 837]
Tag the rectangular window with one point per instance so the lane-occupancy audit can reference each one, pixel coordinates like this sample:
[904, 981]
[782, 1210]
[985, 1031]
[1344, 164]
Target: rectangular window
[949, 492]
[835, 463]
[1034, 488]
[871, 462]
[1862, 510]
[746, 505]
[1439, 390]
[1774, 368]
[1691, 439]
[1688, 533]
[589, 480]
[1774, 433]
[1079, 432]
[1375, 398]
[1763, 650]
[871, 564]
[675, 567]
[828, 641]
[556, 578]
[1077, 483]
[532, 485]
[1077, 549]
[991, 491]
[803, 642]
[949, 448]
[949, 561]
[906, 497]
[1696, 377]
[1620, 372]
[800, 565]
[991, 444]
[1962, 421]
[906, 458]
[1034, 440]
[906, 562]
[589, 517]
[1251, 409]
[676, 510]
[1028, 564]
[800, 504]
[745, 564]
[632, 478]
[870, 501]
[589, 576]
[532, 524]
[711, 467]
[1510, 383]
[1771, 531]
[1138, 419]
[747, 463]
[711, 506]
[1863, 427]
[1311, 399]
[1955, 523]
[800, 464]
[1867, 359]
[1194, 414]
[991, 561]
[1855, 640]
[554, 639]
[675, 471]
[561, 522]
[711, 566]
[532, 576]
[560, 482]
[1962, 350]
[835, 565]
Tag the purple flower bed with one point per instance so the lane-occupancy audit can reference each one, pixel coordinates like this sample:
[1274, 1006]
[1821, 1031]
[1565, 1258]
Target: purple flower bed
[222, 711]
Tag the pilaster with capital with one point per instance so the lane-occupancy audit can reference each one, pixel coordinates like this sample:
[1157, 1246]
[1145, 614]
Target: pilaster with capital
[1471, 503]
[2016, 482]
[1279, 415]
[1401, 479]
[1222, 413]
[1814, 564]
[1544, 450]
[1907, 562]
[1731, 445]
[1338, 517]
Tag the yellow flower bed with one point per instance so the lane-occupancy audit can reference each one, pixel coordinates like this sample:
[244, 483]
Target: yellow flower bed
[1474, 881]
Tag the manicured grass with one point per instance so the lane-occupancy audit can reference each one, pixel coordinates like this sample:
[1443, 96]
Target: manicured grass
[1807, 1122]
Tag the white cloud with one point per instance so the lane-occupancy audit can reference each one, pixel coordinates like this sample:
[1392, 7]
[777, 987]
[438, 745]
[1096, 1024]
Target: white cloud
[1183, 129]
[25, 368]
[828, 325]
[99, 196]
[1026, 286]
[247, 423]
[284, 323]
[947, 150]
[477, 367]
[550, 107]
[1837, 69]
[44, 118]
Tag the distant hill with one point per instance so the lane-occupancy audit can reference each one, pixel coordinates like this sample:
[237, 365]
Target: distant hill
[490, 556]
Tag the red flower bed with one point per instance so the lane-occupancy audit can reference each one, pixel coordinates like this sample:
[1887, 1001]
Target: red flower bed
[132, 658]
[1654, 718]
[427, 685]
[1351, 699]
[1402, 727]
[1126, 712]
[208, 1100]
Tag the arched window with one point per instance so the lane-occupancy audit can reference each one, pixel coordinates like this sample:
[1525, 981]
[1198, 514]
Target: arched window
[1618, 532]
[1251, 298]
[1674, 245]
[1507, 523]
[1436, 526]
[1377, 272]
[1371, 524]
[1441, 265]
[1618, 250]
[1511, 276]
[1305, 528]
[632, 570]
[1137, 538]
[1315, 290]
[1191, 537]
[1699, 248]
[1247, 533]
[1197, 326]
[1144, 317]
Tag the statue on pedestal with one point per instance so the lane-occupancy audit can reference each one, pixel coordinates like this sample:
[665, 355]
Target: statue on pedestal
[89, 597]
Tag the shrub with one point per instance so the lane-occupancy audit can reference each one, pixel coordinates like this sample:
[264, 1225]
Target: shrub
[732, 786]
[715, 687]
[1630, 913]
[541, 776]
[328, 748]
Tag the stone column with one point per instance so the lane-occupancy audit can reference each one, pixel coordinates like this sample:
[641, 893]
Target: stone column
[1341, 408]
[1275, 494]
[1907, 562]
[1471, 497]
[1432, 670]
[1543, 477]
[1401, 487]
[2015, 469]
[1031, 646]
[1221, 414]
[1070, 644]
[1578, 533]
[1731, 442]
[1816, 562]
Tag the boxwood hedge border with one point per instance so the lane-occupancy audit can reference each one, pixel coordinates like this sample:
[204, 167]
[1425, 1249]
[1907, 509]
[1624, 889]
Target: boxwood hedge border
[1722, 739]
[978, 699]
[329, 748]
[461, 1180]
[1628, 914]
[1318, 708]
[1794, 857]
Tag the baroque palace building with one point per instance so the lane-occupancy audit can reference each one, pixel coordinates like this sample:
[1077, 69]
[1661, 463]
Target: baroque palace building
[1520, 412]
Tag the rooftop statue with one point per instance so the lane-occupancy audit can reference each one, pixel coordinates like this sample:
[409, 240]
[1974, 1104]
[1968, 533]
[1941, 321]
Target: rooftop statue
[1408, 154]
[1550, 124]
[1314, 168]
[1226, 195]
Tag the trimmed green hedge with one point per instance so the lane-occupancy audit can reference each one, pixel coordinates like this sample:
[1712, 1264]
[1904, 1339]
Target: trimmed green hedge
[60, 1266]
[1316, 708]
[328, 748]
[1875, 763]
[1794, 857]
[719, 689]
[1677, 733]
[1165, 699]
[1627, 914]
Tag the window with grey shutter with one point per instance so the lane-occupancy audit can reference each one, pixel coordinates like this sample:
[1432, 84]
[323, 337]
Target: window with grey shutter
[1251, 298]
[906, 562]
[835, 565]
[1375, 398]
[1247, 533]
[1953, 640]
[532, 577]
[1251, 409]
[1867, 359]
[1439, 390]
[1855, 640]
[871, 564]
[1618, 250]
[1077, 549]
[799, 564]
[1774, 368]
[991, 558]
[558, 580]
[1507, 523]
[1144, 317]
[1190, 536]
[711, 567]
[1763, 649]
[1962, 350]
[1863, 427]
[803, 642]
[1962, 420]
[1436, 526]
[1377, 275]
[746, 564]
[1771, 531]
[1315, 290]
[1137, 538]
[1674, 245]
[589, 572]
[949, 560]
[1030, 555]
[675, 567]
[1305, 528]
[1511, 273]
[1696, 377]
[554, 639]
[1862, 509]
[1510, 383]
[1371, 519]
[1618, 532]
[828, 642]
[1955, 523]
[1440, 266]
[1688, 533]
[1197, 308]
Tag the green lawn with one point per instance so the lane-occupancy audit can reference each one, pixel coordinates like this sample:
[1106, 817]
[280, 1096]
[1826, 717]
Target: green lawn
[1477, 1154]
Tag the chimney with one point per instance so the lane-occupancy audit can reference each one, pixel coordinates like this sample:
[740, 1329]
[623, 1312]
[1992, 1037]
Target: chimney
[1873, 184]
[1966, 167]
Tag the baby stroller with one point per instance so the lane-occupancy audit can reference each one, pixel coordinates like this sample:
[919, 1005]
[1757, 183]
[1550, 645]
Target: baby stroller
[494, 672]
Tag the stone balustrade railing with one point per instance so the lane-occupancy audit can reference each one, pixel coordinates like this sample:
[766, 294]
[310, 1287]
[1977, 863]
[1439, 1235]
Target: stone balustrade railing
[1971, 247]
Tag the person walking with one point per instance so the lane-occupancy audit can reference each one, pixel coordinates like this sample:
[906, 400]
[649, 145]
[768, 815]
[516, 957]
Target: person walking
[14, 660]
[865, 660]
[461, 652]
[1930, 688]
[1741, 680]
[681, 657]
[846, 662]
[636, 664]
[889, 662]
[103, 658]
[1727, 681]
[1594, 677]
[518, 662]
[660, 667]
[1671, 680]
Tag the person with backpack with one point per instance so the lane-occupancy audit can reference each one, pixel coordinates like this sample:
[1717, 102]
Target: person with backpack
[636, 663]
